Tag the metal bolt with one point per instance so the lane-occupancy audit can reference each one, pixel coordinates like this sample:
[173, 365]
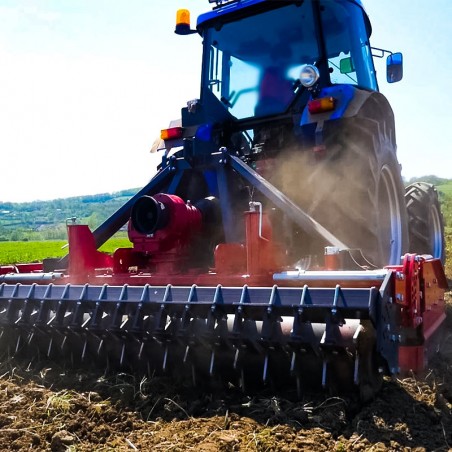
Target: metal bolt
[399, 297]
[400, 276]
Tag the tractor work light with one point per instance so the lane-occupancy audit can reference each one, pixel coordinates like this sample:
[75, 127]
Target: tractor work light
[173, 133]
[309, 75]
[321, 105]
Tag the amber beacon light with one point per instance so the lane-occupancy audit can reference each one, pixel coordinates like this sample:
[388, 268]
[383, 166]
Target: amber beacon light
[183, 22]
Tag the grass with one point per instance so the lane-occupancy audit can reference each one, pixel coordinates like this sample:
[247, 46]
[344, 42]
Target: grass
[445, 188]
[22, 252]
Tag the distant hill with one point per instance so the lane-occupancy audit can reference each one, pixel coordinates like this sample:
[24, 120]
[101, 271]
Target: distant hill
[46, 220]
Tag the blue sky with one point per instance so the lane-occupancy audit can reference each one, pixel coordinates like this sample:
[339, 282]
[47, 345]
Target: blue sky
[86, 86]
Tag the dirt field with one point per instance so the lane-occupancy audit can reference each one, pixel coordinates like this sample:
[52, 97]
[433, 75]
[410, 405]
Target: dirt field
[48, 409]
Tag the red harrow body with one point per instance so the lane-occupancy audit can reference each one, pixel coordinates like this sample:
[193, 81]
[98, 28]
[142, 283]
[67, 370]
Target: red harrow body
[246, 318]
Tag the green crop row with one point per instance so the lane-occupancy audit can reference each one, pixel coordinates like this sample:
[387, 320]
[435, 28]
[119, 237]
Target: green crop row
[22, 252]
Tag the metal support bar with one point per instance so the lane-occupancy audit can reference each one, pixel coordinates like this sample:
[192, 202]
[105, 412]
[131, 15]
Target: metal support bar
[72, 304]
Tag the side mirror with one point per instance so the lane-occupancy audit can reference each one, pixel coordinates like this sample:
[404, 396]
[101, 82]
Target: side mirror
[394, 67]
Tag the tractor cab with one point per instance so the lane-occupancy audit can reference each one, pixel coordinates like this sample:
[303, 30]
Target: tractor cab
[261, 56]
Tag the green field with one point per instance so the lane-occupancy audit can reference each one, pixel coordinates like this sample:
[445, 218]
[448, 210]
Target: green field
[22, 252]
[445, 188]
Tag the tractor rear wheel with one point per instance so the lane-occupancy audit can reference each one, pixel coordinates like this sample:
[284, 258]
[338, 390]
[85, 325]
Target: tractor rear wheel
[354, 190]
[425, 222]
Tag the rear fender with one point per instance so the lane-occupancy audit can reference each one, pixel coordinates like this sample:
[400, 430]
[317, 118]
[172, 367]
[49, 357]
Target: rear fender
[353, 102]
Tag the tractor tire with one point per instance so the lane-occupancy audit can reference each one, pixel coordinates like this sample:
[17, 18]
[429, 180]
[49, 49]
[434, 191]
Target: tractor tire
[425, 222]
[355, 190]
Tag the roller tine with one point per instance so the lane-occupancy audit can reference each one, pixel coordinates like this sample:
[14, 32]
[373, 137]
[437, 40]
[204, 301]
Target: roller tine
[324, 371]
[17, 345]
[299, 391]
[165, 357]
[123, 349]
[99, 348]
[212, 362]
[107, 368]
[356, 339]
[356, 370]
[242, 380]
[84, 349]
[49, 348]
[293, 362]
[64, 342]
[30, 338]
[140, 352]
[264, 374]
[187, 350]
[236, 358]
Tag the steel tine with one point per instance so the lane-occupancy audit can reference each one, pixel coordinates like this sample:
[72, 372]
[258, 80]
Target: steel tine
[49, 348]
[212, 362]
[236, 358]
[324, 371]
[264, 374]
[165, 357]
[242, 380]
[99, 348]
[17, 345]
[293, 362]
[187, 350]
[140, 352]
[107, 367]
[123, 349]
[84, 349]
[356, 370]
[299, 391]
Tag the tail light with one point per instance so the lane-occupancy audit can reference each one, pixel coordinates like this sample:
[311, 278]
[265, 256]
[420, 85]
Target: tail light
[173, 133]
[321, 105]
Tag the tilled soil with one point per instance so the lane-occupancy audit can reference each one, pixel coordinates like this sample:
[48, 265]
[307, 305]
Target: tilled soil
[51, 409]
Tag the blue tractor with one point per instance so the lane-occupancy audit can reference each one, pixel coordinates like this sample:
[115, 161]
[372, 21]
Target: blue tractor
[290, 89]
